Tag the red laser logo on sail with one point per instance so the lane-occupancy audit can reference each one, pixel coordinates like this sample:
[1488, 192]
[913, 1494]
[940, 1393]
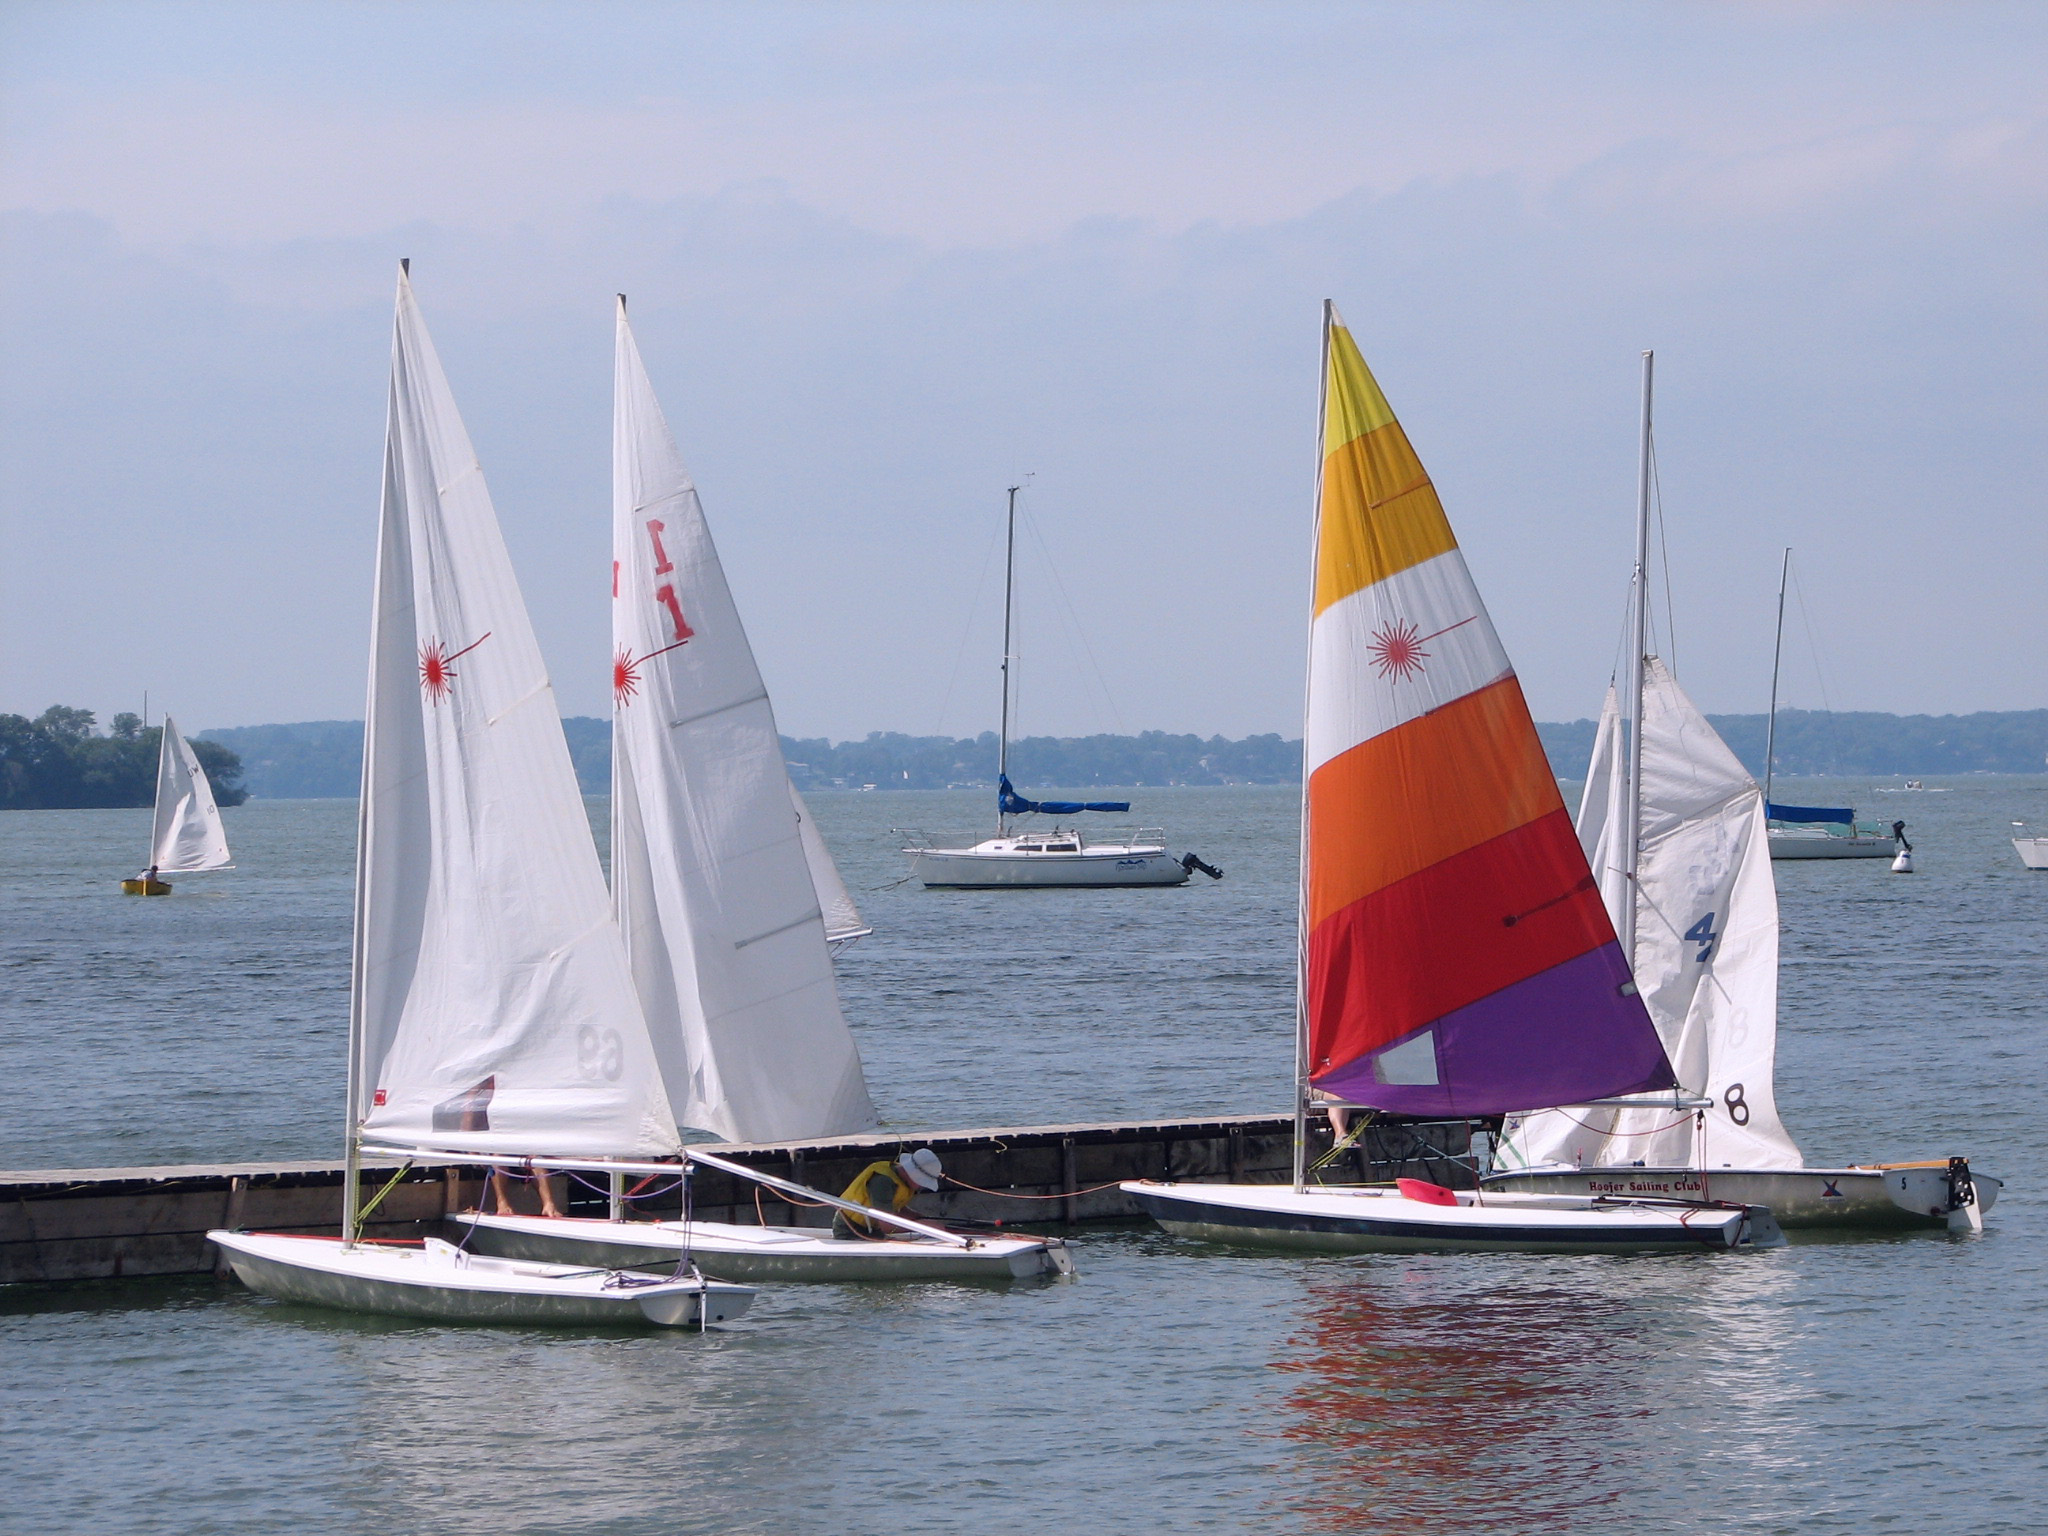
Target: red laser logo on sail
[437, 665]
[626, 671]
[1397, 649]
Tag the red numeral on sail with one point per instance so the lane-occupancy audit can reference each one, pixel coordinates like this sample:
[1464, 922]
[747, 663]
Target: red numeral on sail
[665, 594]
[662, 563]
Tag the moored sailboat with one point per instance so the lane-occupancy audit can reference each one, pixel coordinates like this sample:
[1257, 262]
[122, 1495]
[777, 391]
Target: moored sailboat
[728, 902]
[1455, 957]
[1817, 831]
[1045, 857]
[1675, 829]
[185, 835]
[492, 1011]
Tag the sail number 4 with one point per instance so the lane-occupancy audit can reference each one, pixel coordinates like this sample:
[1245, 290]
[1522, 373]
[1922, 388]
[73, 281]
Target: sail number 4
[1702, 933]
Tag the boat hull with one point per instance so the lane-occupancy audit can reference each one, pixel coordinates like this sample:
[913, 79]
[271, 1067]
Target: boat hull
[963, 869]
[1381, 1221]
[435, 1282]
[2033, 851]
[145, 887]
[1840, 1198]
[1834, 847]
[759, 1254]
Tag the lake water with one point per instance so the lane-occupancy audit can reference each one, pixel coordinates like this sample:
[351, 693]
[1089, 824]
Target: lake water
[1896, 1384]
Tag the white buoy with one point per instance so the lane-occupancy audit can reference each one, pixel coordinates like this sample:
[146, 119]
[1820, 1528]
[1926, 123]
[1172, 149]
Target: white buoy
[1903, 864]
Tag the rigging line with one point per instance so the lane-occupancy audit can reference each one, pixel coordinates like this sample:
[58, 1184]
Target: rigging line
[1074, 622]
[1820, 676]
[967, 628]
[1664, 553]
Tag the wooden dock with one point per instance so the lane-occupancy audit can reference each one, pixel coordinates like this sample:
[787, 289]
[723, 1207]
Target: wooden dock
[65, 1225]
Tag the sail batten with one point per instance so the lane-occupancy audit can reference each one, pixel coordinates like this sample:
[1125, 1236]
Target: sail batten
[493, 1008]
[1458, 957]
[724, 916]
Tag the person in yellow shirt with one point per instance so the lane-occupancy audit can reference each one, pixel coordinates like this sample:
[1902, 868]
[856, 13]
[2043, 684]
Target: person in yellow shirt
[886, 1186]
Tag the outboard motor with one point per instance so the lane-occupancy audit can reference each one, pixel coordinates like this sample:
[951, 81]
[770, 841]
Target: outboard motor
[1192, 862]
[1903, 864]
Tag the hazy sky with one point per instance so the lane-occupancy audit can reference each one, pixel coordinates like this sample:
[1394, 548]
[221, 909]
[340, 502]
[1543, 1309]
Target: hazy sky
[885, 258]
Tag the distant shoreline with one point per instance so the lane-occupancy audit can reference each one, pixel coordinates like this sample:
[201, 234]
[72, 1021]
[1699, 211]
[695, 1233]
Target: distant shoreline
[321, 760]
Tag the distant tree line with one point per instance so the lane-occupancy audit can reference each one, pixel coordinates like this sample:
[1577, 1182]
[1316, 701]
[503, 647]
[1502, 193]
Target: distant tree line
[889, 760]
[58, 761]
[323, 758]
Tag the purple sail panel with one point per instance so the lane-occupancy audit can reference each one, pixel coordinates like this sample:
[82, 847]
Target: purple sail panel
[1563, 1036]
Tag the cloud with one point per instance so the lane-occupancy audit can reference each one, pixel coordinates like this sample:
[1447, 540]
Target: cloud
[1843, 292]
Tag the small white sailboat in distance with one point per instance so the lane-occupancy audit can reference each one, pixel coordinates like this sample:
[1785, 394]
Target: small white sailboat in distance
[2033, 850]
[492, 1013]
[1039, 858]
[843, 922]
[186, 835]
[1456, 960]
[1817, 831]
[729, 903]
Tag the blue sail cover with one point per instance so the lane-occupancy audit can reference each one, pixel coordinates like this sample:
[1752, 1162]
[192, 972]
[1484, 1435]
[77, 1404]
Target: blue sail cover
[1810, 813]
[1010, 803]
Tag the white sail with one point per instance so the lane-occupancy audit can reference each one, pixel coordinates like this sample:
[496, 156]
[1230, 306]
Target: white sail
[187, 834]
[494, 1008]
[713, 893]
[843, 922]
[1706, 954]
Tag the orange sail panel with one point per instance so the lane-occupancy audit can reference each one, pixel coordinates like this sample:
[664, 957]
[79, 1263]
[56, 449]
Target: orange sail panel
[1459, 959]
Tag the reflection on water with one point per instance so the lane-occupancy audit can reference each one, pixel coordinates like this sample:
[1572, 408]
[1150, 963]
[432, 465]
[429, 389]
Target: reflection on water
[1470, 1393]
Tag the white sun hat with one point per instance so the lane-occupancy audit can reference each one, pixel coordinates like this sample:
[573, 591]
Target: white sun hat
[921, 1167]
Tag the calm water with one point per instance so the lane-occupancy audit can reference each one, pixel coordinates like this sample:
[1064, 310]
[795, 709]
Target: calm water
[1877, 1385]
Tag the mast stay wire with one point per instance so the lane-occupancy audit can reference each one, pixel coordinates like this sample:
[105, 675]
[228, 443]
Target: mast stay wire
[1074, 620]
[995, 539]
[1664, 554]
[1820, 675]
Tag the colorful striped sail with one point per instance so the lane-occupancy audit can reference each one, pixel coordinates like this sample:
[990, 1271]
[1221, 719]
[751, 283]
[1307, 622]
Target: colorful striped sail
[1459, 960]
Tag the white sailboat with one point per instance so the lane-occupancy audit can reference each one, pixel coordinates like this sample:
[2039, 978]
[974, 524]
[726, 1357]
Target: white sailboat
[492, 1010]
[1456, 960]
[728, 900]
[1818, 831]
[843, 922]
[2033, 850]
[1038, 857]
[186, 835]
[1674, 828]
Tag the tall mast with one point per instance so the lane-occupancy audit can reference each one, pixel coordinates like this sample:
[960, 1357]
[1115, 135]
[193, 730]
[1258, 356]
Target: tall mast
[1009, 591]
[1639, 646]
[1301, 904]
[1777, 654]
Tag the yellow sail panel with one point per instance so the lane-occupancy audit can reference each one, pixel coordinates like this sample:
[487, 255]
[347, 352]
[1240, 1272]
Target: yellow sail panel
[1355, 405]
[1379, 513]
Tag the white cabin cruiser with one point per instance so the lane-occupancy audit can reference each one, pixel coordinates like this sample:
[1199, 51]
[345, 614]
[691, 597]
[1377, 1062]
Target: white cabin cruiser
[1059, 857]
